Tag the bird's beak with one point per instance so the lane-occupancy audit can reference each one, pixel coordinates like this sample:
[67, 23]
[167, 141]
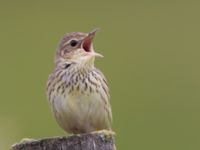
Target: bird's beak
[87, 44]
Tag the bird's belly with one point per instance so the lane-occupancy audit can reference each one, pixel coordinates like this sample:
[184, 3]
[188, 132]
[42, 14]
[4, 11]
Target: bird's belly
[81, 112]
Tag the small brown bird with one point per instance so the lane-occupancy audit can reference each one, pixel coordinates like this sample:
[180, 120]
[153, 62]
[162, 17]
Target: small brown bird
[77, 91]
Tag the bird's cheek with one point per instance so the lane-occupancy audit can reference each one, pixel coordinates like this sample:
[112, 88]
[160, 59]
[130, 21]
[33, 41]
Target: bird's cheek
[67, 55]
[63, 53]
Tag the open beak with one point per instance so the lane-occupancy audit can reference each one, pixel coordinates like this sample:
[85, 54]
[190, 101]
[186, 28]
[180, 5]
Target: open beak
[87, 44]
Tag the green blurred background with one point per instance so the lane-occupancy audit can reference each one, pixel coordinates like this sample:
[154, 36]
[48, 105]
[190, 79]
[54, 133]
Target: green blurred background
[152, 59]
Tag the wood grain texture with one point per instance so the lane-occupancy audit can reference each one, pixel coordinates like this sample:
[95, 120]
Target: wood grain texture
[97, 141]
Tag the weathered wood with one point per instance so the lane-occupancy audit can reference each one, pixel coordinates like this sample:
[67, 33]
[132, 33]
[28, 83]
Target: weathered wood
[97, 141]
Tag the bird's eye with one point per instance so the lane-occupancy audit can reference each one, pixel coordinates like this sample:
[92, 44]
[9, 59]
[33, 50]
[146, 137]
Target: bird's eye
[73, 43]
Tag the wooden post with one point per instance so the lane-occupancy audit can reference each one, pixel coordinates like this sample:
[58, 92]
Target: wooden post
[97, 141]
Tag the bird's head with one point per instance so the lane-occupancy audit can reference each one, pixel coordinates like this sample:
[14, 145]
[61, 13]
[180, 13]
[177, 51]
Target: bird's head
[77, 48]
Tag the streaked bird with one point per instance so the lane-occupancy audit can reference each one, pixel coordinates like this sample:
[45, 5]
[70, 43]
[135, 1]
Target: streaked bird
[77, 91]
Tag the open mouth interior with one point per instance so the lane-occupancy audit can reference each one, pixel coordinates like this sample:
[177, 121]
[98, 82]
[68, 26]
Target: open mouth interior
[87, 45]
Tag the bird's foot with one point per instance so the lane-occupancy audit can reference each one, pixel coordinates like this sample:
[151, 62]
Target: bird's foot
[104, 132]
[24, 140]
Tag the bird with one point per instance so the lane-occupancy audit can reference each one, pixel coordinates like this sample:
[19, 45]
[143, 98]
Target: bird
[77, 91]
